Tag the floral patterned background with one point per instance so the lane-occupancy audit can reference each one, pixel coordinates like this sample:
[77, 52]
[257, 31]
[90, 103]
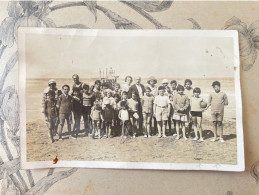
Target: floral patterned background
[240, 16]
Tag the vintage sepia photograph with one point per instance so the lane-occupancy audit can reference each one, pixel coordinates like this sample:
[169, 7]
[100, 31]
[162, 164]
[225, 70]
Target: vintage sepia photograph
[149, 99]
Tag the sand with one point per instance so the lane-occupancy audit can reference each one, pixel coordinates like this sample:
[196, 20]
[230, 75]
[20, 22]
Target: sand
[164, 150]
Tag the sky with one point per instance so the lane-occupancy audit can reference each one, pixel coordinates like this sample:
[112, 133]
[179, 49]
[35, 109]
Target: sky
[61, 56]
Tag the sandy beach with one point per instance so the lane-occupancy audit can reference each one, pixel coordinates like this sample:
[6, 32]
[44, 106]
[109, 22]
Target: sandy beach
[166, 150]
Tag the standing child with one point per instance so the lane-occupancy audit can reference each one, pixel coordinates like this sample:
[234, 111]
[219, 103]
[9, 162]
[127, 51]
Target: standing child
[108, 95]
[117, 89]
[181, 104]
[51, 113]
[96, 115]
[108, 117]
[133, 113]
[147, 110]
[77, 111]
[217, 101]
[170, 118]
[88, 99]
[124, 117]
[173, 87]
[116, 113]
[189, 93]
[196, 112]
[161, 110]
[65, 104]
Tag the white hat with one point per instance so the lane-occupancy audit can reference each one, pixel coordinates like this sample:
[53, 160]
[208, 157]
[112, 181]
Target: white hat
[165, 81]
[51, 81]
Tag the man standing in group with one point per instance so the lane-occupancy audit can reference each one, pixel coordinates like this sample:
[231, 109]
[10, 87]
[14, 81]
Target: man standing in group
[77, 84]
[139, 90]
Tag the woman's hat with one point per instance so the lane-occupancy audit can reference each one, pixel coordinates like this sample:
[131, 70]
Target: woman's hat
[152, 78]
[164, 81]
[51, 81]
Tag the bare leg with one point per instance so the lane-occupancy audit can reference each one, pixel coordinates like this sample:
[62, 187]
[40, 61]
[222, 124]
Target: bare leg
[159, 127]
[164, 127]
[199, 126]
[60, 131]
[177, 129]
[195, 119]
[148, 126]
[220, 125]
[183, 130]
[145, 124]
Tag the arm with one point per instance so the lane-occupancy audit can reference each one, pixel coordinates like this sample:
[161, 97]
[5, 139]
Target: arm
[59, 102]
[187, 103]
[209, 102]
[225, 100]
[119, 115]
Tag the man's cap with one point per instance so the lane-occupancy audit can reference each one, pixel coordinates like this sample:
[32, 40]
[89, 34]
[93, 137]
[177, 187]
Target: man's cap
[51, 81]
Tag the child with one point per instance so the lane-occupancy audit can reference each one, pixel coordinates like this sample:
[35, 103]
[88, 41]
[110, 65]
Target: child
[133, 113]
[167, 88]
[96, 115]
[181, 104]
[65, 104]
[196, 112]
[173, 87]
[77, 111]
[217, 101]
[117, 89]
[124, 117]
[108, 117]
[116, 112]
[189, 93]
[109, 97]
[170, 118]
[51, 113]
[88, 99]
[161, 110]
[147, 110]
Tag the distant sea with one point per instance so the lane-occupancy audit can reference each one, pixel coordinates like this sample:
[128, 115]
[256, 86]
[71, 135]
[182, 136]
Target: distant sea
[35, 87]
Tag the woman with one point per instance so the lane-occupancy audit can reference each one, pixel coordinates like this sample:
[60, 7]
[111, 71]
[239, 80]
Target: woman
[128, 80]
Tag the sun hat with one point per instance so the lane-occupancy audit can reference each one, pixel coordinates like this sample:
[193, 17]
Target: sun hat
[151, 78]
[164, 81]
[51, 81]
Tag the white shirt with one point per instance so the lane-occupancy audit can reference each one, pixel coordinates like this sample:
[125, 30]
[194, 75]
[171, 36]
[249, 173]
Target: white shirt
[139, 91]
[162, 101]
[124, 115]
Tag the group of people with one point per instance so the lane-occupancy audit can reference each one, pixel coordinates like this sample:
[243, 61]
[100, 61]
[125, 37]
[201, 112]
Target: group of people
[110, 109]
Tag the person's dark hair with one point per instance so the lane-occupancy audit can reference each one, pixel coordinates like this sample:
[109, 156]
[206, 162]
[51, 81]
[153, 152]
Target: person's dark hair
[216, 83]
[98, 95]
[124, 93]
[188, 81]
[106, 84]
[161, 88]
[66, 86]
[75, 75]
[180, 88]
[147, 88]
[117, 84]
[128, 77]
[123, 104]
[117, 96]
[85, 86]
[197, 90]
[173, 81]
[97, 81]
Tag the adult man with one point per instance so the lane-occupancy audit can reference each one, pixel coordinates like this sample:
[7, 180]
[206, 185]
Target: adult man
[139, 90]
[77, 84]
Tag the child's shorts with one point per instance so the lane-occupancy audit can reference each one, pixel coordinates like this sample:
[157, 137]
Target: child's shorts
[63, 117]
[146, 114]
[86, 110]
[162, 114]
[182, 117]
[196, 114]
[217, 116]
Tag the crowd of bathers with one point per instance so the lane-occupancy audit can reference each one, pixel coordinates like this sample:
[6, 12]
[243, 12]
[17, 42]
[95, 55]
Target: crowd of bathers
[131, 109]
